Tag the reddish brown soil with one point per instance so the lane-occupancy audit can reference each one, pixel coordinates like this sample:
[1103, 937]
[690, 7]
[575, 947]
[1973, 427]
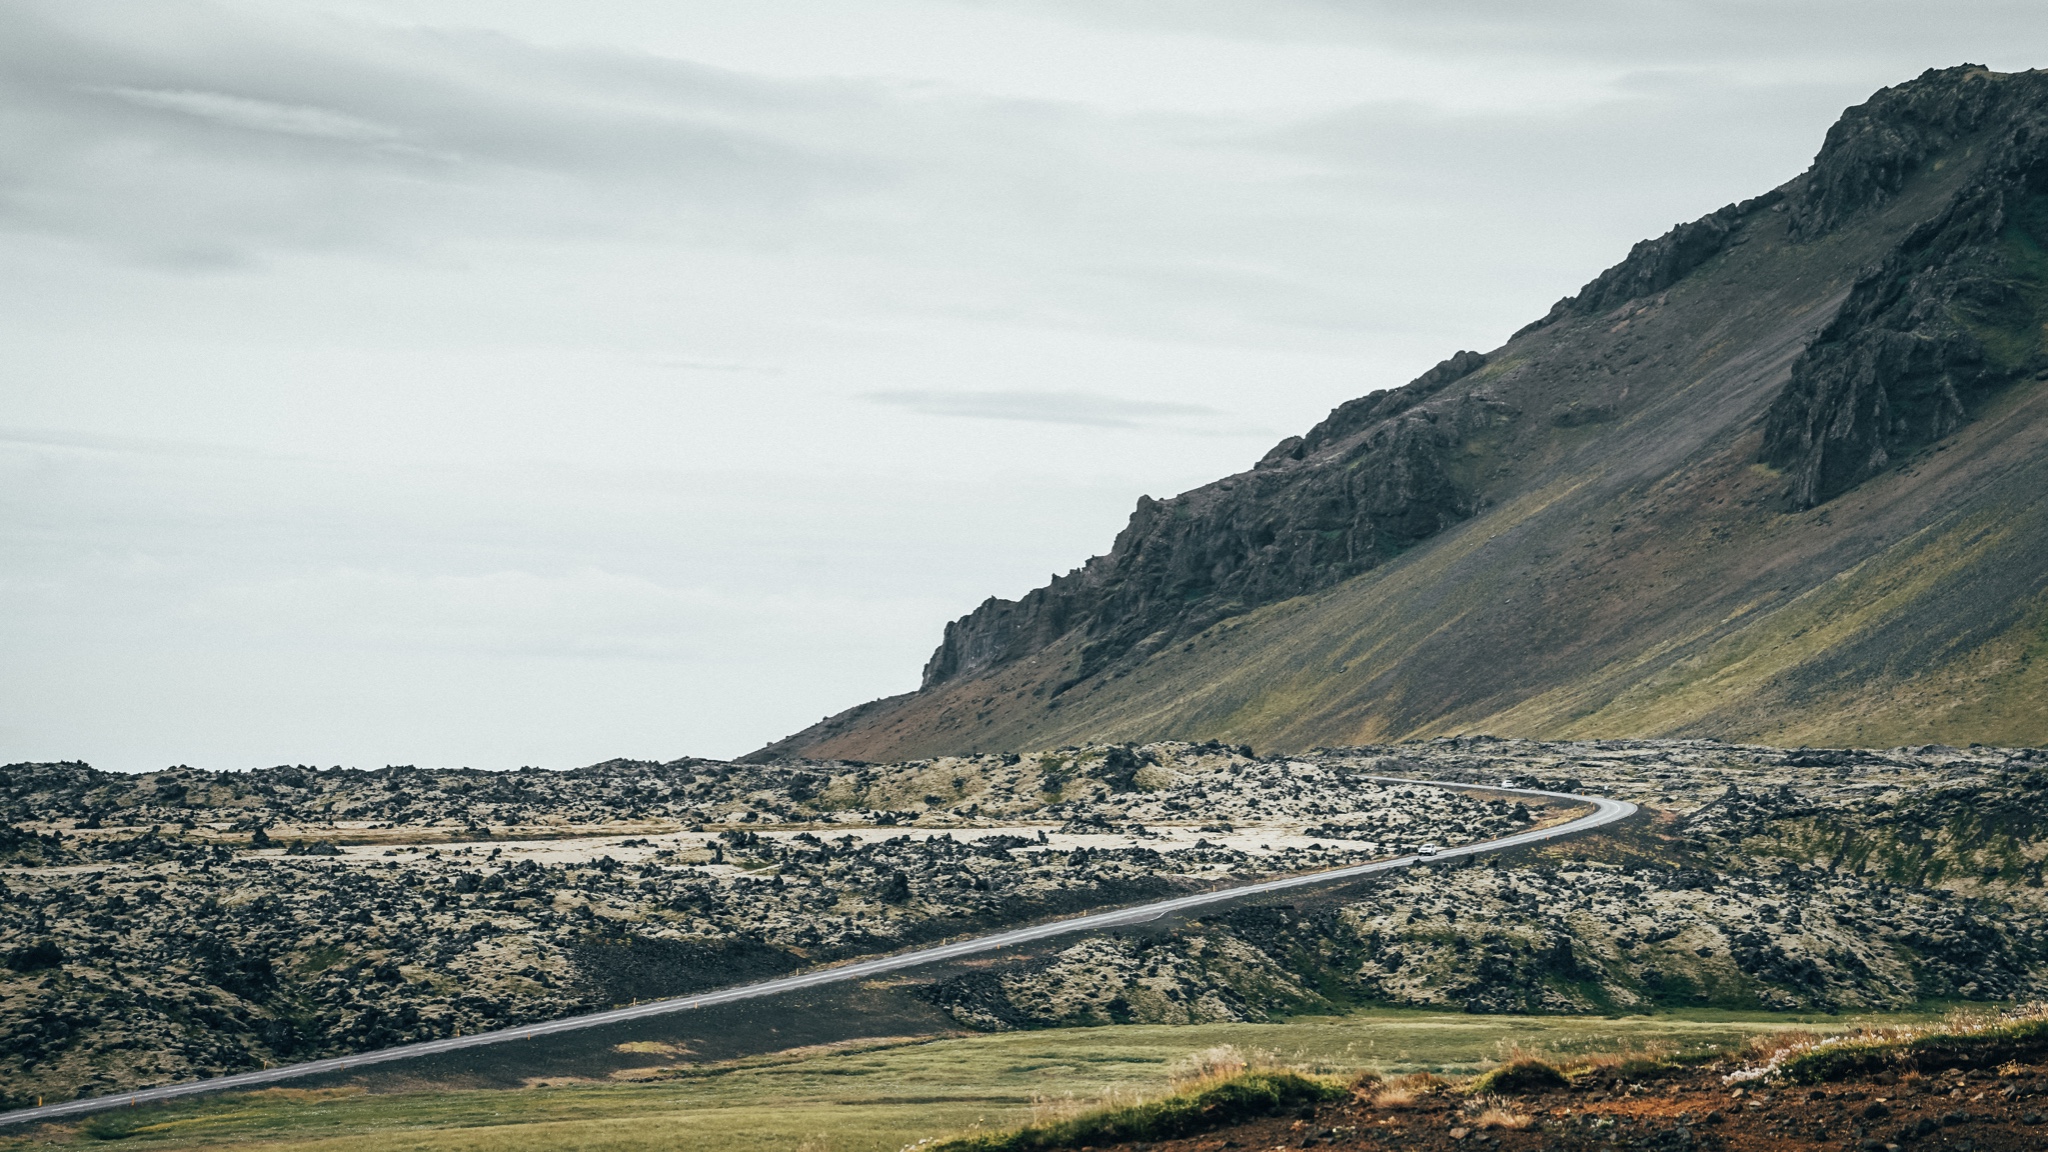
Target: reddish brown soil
[1682, 1111]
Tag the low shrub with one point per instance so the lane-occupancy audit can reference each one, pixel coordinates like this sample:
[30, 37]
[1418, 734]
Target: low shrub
[1209, 1065]
[1959, 1042]
[1631, 1063]
[1244, 1096]
[1501, 1116]
[1519, 1078]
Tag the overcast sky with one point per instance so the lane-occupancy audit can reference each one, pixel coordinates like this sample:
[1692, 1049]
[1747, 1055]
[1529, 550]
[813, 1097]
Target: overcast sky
[496, 383]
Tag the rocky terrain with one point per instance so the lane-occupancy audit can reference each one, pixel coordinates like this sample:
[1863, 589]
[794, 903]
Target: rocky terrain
[1639, 1105]
[1765, 878]
[1768, 478]
[186, 923]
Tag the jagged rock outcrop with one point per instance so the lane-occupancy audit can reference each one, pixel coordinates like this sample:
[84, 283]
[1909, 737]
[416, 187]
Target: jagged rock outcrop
[1654, 265]
[1950, 317]
[1875, 147]
[1374, 477]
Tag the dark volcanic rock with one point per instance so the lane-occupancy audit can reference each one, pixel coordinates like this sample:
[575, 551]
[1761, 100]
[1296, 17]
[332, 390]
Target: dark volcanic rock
[1654, 265]
[1876, 146]
[1952, 315]
[1373, 478]
[622, 966]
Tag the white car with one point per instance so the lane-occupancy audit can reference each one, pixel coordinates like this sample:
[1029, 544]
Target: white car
[1429, 849]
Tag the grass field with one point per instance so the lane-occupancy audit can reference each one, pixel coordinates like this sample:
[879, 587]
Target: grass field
[867, 1098]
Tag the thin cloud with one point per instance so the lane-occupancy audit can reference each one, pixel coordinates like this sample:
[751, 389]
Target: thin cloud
[715, 365]
[257, 115]
[1041, 407]
[293, 135]
[128, 445]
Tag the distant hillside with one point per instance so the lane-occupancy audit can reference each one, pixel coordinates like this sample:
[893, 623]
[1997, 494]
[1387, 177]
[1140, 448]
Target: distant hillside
[1776, 476]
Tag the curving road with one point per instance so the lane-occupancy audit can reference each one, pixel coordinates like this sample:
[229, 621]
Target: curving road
[1604, 812]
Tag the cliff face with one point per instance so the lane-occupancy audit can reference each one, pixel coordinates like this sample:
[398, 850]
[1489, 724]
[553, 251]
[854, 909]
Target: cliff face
[1681, 436]
[1952, 315]
[1370, 480]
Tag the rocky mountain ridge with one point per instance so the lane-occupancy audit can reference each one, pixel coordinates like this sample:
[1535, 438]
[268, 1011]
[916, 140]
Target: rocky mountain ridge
[1368, 481]
[1837, 327]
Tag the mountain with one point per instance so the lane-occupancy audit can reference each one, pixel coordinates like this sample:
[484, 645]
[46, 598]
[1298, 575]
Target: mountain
[1776, 476]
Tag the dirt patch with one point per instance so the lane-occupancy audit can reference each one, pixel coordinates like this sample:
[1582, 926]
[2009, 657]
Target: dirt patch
[1677, 1110]
[652, 1048]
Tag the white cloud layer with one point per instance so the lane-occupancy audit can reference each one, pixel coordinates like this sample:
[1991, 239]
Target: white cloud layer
[499, 382]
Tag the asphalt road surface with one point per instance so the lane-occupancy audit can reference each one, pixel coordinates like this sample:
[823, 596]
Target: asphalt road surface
[1604, 812]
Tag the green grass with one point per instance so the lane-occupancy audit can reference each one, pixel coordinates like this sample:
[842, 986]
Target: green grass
[1263, 1092]
[1962, 1042]
[881, 1098]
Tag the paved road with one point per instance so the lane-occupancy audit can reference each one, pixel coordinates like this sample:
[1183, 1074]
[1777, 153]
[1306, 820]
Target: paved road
[1604, 812]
